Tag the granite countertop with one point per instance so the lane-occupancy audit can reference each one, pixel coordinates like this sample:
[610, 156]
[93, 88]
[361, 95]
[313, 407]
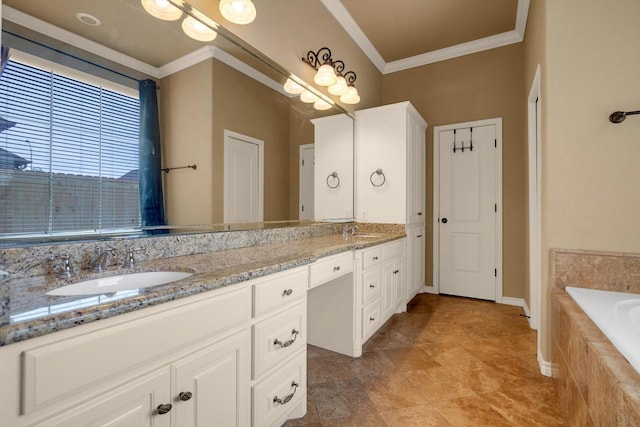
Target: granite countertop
[32, 313]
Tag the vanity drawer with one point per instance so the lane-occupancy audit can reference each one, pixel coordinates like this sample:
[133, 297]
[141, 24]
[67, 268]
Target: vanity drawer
[329, 268]
[371, 285]
[371, 318]
[393, 249]
[278, 337]
[270, 404]
[279, 290]
[371, 257]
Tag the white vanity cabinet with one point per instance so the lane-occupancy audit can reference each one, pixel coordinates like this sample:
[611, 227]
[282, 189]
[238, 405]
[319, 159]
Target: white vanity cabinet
[182, 363]
[279, 337]
[380, 280]
[390, 178]
[333, 168]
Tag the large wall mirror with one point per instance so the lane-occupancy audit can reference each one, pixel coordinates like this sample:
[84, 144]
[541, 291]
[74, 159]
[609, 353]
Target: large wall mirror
[217, 100]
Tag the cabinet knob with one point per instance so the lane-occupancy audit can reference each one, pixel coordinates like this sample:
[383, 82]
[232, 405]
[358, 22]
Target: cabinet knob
[185, 395]
[164, 408]
[287, 292]
[372, 319]
[396, 271]
[375, 258]
[419, 236]
[336, 268]
[372, 286]
[419, 213]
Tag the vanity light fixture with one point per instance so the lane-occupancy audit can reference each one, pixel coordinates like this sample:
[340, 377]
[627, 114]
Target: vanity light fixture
[197, 30]
[238, 11]
[331, 73]
[162, 9]
[321, 104]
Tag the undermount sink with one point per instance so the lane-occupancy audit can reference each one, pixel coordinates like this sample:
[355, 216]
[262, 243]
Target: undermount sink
[121, 282]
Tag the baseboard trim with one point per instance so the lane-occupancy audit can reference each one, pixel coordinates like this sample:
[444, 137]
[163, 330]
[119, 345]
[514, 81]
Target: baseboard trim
[545, 367]
[429, 290]
[517, 302]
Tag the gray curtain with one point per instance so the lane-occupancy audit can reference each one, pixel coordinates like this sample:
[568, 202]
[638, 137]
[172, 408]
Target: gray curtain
[150, 173]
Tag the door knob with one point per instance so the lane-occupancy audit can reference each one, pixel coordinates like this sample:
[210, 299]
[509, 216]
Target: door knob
[444, 220]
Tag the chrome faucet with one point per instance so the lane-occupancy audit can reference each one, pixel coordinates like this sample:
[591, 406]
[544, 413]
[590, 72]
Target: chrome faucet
[65, 270]
[346, 229]
[129, 260]
[99, 260]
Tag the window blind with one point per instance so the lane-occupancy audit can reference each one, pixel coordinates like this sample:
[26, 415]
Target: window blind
[68, 154]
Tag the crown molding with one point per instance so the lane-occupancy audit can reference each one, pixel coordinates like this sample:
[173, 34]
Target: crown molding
[343, 17]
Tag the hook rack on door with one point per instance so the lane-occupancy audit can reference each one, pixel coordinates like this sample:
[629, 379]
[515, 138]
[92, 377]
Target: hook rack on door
[462, 147]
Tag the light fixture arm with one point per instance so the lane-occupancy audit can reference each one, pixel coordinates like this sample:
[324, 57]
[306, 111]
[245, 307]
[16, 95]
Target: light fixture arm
[319, 58]
[350, 77]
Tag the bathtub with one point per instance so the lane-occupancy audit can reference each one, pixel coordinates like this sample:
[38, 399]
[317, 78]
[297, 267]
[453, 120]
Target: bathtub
[617, 314]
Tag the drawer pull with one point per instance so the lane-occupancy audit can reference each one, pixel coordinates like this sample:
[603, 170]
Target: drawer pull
[375, 258]
[185, 395]
[372, 286]
[287, 343]
[336, 268]
[288, 397]
[164, 408]
[372, 319]
[287, 292]
[396, 271]
[419, 236]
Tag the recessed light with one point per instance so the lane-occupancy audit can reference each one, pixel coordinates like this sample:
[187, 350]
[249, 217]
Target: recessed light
[85, 18]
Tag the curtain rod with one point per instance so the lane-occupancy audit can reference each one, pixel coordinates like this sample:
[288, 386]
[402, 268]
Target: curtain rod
[70, 55]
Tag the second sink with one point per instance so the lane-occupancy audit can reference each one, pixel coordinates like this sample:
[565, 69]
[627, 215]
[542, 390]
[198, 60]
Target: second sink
[122, 282]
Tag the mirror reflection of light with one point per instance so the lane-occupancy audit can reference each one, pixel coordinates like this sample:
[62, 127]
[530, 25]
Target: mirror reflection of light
[162, 9]
[197, 30]
[71, 305]
[238, 11]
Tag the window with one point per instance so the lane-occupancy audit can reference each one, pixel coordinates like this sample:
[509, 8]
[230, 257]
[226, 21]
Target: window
[68, 151]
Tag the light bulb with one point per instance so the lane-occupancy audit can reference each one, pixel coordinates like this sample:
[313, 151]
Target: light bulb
[339, 87]
[162, 9]
[351, 97]
[308, 97]
[325, 75]
[238, 11]
[292, 87]
[321, 104]
[197, 30]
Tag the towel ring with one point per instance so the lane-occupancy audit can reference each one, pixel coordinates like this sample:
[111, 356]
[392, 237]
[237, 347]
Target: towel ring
[377, 172]
[335, 179]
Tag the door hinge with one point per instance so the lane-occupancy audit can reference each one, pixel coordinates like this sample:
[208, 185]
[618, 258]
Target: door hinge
[302, 162]
[495, 207]
[302, 208]
[495, 143]
[495, 272]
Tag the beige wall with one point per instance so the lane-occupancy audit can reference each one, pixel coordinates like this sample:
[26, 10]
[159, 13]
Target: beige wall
[185, 115]
[197, 105]
[591, 167]
[480, 86]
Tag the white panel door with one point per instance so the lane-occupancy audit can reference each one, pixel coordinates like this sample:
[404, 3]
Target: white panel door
[307, 153]
[467, 217]
[243, 178]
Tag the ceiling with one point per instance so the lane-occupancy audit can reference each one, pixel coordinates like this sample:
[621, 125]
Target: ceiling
[401, 34]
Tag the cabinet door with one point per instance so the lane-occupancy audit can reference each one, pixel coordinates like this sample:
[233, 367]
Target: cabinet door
[388, 289]
[211, 386]
[415, 257]
[415, 171]
[133, 405]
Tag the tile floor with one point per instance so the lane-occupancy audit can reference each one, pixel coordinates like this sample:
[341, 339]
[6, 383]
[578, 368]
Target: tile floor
[448, 361]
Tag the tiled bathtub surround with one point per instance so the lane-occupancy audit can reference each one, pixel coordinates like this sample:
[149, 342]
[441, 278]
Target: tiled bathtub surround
[596, 384]
[217, 260]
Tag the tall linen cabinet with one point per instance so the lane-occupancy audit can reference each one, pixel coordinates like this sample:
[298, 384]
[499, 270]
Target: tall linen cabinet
[390, 179]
